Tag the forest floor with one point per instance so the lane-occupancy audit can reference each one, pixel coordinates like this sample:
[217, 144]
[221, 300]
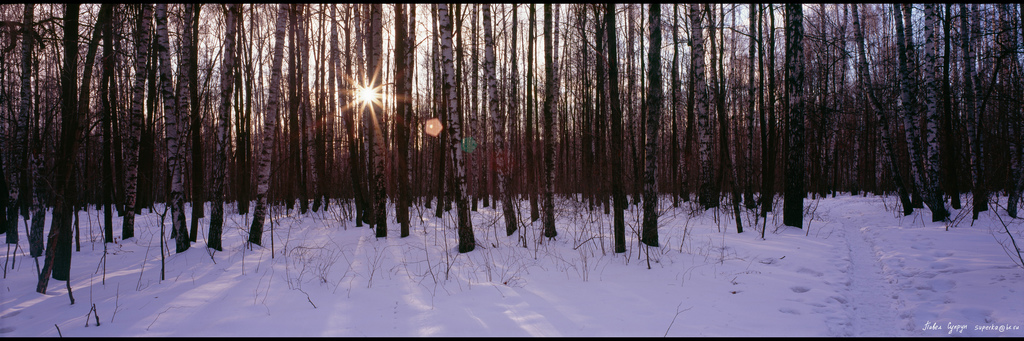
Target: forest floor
[858, 268]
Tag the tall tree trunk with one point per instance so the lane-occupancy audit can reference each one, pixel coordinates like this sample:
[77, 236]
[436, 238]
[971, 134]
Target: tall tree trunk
[350, 111]
[183, 114]
[309, 151]
[549, 127]
[618, 192]
[706, 198]
[793, 204]
[195, 116]
[58, 246]
[748, 164]
[20, 143]
[883, 119]
[1010, 108]
[465, 228]
[950, 153]
[404, 67]
[980, 195]
[375, 59]
[769, 138]
[231, 15]
[498, 126]
[143, 38]
[269, 126]
[106, 114]
[334, 64]
[676, 100]
[243, 127]
[33, 169]
[909, 103]
[173, 133]
[296, 171]
[531, 90]
[933, 190]
[511, 214]
[655, 98]
[473, 168]
[441, 113]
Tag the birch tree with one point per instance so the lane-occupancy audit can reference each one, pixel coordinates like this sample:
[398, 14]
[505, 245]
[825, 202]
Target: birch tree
[700, 90]
[172, 134]
[933, 189]
[227, 76]
[467, 242]
[498, 119]
[864, 79]
[904, 42]
[375, 64]
[306, 110]
[269, 125]
[142, 45]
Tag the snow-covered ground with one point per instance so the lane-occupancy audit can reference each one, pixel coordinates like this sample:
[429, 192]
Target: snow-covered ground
[857, 269]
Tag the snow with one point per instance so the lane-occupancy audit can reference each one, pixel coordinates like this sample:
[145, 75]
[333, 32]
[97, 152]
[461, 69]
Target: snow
[858, 269]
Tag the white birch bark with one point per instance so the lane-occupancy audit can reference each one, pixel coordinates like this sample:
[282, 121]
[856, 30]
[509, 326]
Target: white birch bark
[269, 125]
[701, 93]
[886, 147]
[904, 40]
[143, 38]
[219, 166]
[171, 124]
[465, 228]
[933, 189]
[376, 60]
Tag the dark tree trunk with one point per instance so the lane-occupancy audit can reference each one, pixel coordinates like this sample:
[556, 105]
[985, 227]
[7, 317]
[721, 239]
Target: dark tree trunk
[196, 125]
[655, 97]
[58, 251]
[618, 192]
[404, 67]
[231, 15]
[950, 154]
[793, 207]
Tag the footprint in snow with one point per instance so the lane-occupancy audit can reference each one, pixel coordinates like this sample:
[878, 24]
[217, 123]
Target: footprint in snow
[789, 311]
[810, 272]
[799, 289]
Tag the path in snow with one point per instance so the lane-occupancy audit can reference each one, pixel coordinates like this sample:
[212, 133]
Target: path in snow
[872, 301]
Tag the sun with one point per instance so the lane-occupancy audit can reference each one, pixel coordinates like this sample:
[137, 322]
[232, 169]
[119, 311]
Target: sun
[366, 95]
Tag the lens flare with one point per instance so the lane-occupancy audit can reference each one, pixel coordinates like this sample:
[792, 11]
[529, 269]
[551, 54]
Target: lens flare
[432, 127]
